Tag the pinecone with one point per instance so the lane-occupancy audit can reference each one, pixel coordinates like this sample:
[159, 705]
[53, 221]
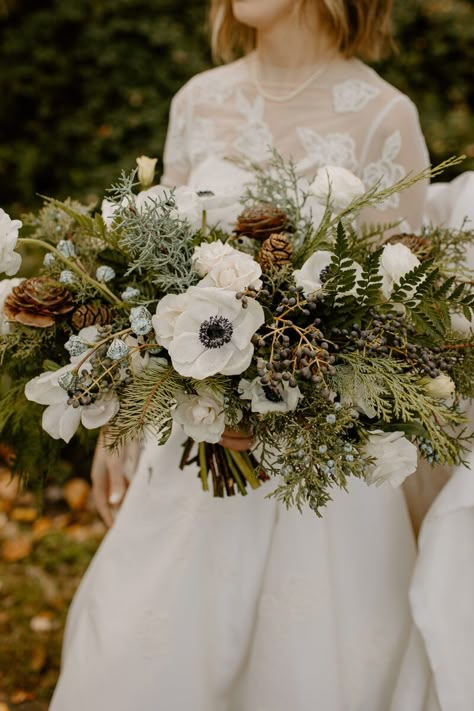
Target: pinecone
[91, 315]
[275, 252]
[420, 246]
[261, 221]
[38, 302]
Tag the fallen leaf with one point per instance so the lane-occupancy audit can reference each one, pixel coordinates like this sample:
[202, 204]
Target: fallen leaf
[41, 527]
[62, 520]
[9, 485]
[3, 707]
[38, 658]
[19, 696]
[76, 493]
[23, 514]
[16, 549]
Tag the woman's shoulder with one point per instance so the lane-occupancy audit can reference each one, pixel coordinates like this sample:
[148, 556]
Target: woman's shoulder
[364, 81]
[213, 82]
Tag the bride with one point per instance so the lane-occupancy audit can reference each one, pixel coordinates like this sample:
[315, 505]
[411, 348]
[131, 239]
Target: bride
[238, 604]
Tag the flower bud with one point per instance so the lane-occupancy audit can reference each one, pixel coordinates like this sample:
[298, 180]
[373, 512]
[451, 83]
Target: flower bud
[146, 170]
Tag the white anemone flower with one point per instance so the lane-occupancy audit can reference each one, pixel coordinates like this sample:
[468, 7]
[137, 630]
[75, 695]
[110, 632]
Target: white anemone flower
[61, 420]
[10, 261]
[396, 261]
[311, 275]
[202, 416]
[395, 457]
[268, 399]
[168, 309]
[213, 334]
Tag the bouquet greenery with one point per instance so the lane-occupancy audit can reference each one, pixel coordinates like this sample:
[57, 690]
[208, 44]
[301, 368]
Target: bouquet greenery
[343, 351]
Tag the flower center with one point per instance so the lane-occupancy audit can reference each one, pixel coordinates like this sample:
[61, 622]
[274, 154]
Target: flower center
[215, 332]
[272, 394]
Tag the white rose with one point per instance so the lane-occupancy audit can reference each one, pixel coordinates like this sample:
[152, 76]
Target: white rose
[168, 309]
[214, 333]
[441, 387]
[6, 286]
[342, 187]
[235, 272]
[396, 261]
[10, 261]
[395, 457]
[201, 416]
[146, 170]
[209, 255]
[61, 420]
[265, 399]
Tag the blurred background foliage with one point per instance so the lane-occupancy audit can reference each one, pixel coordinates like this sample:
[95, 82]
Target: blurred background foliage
[86, 84]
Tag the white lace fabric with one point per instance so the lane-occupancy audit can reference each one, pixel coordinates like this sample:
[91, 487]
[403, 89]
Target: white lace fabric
[348, 117]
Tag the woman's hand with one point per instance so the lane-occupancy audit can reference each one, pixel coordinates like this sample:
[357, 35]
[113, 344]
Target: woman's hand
[109, 483]
[237, 440]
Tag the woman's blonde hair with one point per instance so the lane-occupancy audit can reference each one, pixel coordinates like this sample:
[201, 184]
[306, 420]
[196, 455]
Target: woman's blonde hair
[358, 28]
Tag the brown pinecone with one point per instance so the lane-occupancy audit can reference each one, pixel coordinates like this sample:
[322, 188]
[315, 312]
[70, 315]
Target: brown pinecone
[420, 246]
[92, 315]
[275, 252]
[38, 302]
[261, 221]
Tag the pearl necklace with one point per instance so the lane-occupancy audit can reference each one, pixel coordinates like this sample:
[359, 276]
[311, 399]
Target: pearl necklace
[287, 97]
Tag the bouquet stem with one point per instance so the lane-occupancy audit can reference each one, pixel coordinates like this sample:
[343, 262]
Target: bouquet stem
[230, 471]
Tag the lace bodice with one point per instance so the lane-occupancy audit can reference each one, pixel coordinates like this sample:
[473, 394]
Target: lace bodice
[348, 116]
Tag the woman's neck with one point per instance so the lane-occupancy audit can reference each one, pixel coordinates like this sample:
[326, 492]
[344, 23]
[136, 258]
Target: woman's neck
[295, 40]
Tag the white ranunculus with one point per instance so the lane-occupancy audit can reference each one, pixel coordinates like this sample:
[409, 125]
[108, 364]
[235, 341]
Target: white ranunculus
[10, 261]
[209, 255]
[395, 457]
[6, 286]
[168, 309]
[201, 416]
[342, 186]
[146, 170]
[234, 271]
[442, 387]
[396, 261]
[266, 399]
[213, 334]
[61, 420]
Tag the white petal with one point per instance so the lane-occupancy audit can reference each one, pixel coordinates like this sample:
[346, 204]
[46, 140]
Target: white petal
[44, 389]
[248, 322]
[61, 421]
[98, 414]
[186, 347]
[239, 361]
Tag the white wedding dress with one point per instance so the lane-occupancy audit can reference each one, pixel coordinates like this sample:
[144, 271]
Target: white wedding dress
[195, 603]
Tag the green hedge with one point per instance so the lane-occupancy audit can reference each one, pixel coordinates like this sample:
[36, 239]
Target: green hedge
[86, 84]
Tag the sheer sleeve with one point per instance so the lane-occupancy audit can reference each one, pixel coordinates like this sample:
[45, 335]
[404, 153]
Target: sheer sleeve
[176, 166]
[395, 147]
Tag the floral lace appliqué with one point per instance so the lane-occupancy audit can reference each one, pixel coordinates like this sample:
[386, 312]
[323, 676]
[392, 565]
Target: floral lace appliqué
[254, 139]
[330, 149]
[352, 95]
[386, 170]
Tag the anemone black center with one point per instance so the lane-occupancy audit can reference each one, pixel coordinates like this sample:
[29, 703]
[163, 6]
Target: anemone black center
[272, 394]
[215, 332]
[324, 274]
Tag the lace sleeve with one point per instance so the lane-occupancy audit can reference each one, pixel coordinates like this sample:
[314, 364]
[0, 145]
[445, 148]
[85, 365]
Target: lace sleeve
[395, 146]
[175, 157]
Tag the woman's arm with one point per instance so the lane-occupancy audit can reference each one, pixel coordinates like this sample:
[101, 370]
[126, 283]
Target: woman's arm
[395, 146]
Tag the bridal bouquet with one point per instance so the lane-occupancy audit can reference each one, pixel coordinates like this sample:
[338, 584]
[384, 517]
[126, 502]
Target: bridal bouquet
[342, 351]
